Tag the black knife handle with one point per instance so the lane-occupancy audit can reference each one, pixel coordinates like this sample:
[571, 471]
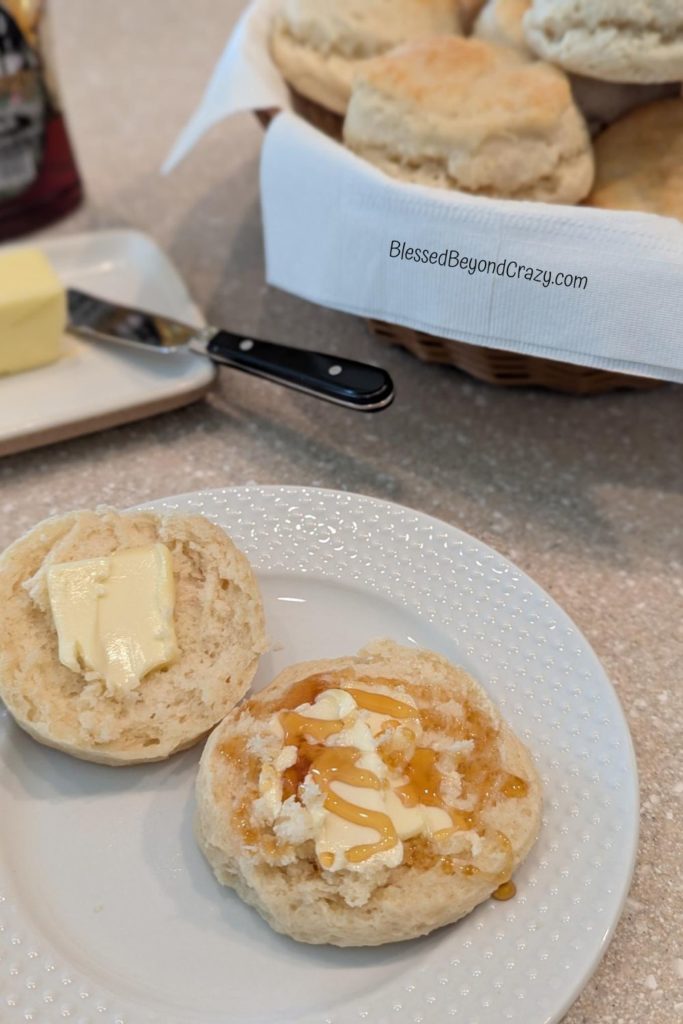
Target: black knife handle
[342, 381]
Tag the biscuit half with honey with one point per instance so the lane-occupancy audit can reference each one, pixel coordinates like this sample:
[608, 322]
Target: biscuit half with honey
[367, 799]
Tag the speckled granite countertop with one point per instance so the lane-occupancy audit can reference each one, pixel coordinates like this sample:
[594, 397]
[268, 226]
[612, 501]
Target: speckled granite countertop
[585, 495]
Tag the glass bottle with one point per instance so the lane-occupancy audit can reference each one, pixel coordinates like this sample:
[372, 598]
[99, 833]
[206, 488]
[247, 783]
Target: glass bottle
[39, 180]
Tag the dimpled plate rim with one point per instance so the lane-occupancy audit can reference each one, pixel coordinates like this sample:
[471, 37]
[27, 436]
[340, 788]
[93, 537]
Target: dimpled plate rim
[524, 962]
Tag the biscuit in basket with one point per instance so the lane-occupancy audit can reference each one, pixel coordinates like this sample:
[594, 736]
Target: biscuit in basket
[218, 628]
[600, 102]
[465, 114]
[367, 799]
[614, 40]
[319, 44]
[639, 161]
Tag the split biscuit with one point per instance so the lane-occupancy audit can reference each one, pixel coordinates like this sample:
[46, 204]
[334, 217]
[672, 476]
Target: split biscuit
[264, 805]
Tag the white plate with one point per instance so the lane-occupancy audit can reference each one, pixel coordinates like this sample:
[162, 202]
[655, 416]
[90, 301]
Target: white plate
[96, 385]
[108, 912]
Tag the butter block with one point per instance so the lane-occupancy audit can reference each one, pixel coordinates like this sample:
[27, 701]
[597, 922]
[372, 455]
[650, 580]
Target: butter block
[114, 615]
[32, 311]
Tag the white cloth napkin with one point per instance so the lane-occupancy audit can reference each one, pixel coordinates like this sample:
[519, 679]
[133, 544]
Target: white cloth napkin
[592, 287]
[245, 78]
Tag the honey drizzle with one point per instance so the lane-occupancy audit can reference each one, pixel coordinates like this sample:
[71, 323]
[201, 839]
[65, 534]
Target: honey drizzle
[235, 752]
[295, 776]
[335, 764]
[483, 778]
[339, 764]
[304, 691]
[382, 704]
[424, 780]
[315, 730]
[306, 734]
[482, 773]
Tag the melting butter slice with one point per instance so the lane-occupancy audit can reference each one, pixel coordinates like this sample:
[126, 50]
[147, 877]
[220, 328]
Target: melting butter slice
[114, 615]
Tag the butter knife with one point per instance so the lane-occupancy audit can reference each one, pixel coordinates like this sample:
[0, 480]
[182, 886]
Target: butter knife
[341, 381]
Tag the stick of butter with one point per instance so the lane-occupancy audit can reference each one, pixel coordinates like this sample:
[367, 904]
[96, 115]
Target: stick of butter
[32, 311]
[114, 615]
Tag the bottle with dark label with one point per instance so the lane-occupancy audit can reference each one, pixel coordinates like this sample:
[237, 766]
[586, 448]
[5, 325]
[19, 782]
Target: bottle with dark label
[39, 180]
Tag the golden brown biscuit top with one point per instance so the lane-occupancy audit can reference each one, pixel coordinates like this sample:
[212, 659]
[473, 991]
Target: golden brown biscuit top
[469, 79]
[640, 161]
[358, 29]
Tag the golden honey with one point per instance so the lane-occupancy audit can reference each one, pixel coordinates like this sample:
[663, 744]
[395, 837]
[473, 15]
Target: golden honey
[514, 788]
[505, 892]
[382, 704]
[336, 764]
[314, 730]
[480, 768]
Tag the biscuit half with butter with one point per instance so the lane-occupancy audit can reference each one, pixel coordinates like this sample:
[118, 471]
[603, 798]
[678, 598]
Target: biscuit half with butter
[318, 45]
[367, 799]
[125, 637]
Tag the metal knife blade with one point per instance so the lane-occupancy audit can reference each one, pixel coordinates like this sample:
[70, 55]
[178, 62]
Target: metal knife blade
[101, 320]
[342, 381]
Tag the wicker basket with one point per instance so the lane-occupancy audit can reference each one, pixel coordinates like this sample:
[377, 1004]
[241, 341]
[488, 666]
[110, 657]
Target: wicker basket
[325, 120]
[494, 366]
[508, 369]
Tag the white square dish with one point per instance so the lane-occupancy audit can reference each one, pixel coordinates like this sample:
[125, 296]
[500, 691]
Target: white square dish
[95, 386]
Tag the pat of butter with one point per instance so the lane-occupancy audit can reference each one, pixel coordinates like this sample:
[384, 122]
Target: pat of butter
[32, 311]
[114, 615]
